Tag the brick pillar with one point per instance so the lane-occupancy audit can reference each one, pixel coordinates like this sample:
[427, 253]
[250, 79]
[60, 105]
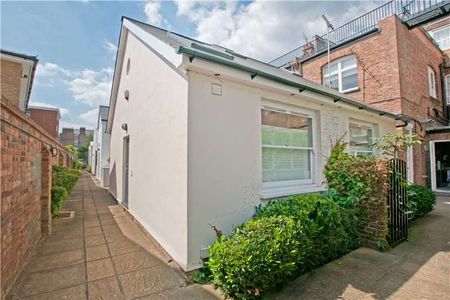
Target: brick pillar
[46, 182]
[61, 159]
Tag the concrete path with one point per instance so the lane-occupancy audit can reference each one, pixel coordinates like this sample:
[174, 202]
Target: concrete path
[101, 254]
[417, 269]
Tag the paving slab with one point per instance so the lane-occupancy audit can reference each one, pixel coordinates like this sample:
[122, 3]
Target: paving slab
[148, 281]
[101, 253]
[415, 269]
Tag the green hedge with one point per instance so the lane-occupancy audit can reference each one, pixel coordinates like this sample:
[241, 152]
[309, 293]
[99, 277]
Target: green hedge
[59, 194]
[259, 256]
[331, 228]
[285, 238]
[63, 181]
[421, 200]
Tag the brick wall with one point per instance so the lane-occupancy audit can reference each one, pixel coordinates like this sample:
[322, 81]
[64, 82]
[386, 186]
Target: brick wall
[393, 76]
[10, 74]
[25, 188]
[47, 119]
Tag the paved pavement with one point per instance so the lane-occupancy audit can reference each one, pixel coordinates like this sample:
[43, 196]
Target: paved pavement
[417, 269]
[101, 254]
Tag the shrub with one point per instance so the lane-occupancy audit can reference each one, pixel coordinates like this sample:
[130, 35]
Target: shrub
[65, 179]
[58, 194]
[354, 178]
[331, 228]
[261, 255]
[421, 199]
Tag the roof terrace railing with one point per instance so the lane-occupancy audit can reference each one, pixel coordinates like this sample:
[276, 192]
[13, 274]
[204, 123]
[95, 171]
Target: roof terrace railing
[360, 26]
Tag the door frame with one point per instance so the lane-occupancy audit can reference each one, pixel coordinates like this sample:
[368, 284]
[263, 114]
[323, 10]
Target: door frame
[433, 163]
[126, 170]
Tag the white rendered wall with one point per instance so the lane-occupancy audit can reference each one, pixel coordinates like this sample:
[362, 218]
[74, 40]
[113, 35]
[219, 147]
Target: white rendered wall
[103, 164]
[156, 116]
[224, 153]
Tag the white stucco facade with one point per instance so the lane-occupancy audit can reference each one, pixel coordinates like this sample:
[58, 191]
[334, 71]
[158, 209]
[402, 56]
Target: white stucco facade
[156, 118]
[195, 154]
[100, 148]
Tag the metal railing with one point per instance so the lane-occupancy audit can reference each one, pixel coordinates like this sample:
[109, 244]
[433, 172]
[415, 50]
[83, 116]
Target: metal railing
[362, 25]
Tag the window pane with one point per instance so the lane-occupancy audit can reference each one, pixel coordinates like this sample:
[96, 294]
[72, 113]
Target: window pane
[448, 88]
[334, 68]
[360, 138]
[281, 129]
[348, 62]
[285, 164]
[349, 79]
[334, 82]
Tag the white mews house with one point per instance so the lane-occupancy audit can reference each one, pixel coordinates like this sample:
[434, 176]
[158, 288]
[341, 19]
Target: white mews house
[100, 147]
[200, 135]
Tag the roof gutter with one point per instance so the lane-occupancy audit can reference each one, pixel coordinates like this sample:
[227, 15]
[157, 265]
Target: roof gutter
[301, 87]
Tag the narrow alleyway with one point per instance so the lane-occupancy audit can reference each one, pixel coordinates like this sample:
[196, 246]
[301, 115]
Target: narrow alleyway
[416, 269]
[101, 253]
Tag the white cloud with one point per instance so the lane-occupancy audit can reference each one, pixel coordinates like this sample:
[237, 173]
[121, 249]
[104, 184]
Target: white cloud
[152, 11]
[62, 110]
[265, 29]
[90, 117]
[110, 48]
[51, 69]
[92, 87]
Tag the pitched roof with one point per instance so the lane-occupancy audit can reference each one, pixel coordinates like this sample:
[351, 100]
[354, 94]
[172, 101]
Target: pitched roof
[227, 57]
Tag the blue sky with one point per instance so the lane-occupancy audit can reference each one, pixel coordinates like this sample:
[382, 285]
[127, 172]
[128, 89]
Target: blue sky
[75, 40]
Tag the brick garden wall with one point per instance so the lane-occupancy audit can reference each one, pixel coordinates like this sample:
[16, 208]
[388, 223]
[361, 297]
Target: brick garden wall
[25, 188]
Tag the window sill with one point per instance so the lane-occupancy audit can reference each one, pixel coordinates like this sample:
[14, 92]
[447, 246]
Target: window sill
[270, 193]
[352, 90]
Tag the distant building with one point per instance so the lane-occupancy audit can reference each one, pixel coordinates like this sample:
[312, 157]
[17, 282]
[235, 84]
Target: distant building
[100, 148]
[76, 137]
[47, 117]
[16, 77]
[67, 136]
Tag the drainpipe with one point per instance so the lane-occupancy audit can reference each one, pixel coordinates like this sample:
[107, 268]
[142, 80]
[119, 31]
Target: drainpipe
[444, 93]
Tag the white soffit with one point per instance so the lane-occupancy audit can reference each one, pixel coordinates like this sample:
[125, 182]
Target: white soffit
[157, 45]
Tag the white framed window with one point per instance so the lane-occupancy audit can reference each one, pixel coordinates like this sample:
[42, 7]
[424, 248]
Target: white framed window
[361, 138]
[447, 88]
[288, 160]
[343, 75]
[432, 82]
[442, 37]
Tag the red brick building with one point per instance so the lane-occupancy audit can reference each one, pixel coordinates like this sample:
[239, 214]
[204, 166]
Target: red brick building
[399, 63]
[47, 117]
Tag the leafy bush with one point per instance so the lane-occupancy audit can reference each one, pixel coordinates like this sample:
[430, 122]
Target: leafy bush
[65, 179]
[354, 178]
[261, 255]
[331, 229]
[421, 199]
[285, 238]
[59, 194]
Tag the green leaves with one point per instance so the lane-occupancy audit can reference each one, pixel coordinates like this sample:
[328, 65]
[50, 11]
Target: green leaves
[63, 181]
[420, 200]
[285, 238]
[354, 178]
[392, 144]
